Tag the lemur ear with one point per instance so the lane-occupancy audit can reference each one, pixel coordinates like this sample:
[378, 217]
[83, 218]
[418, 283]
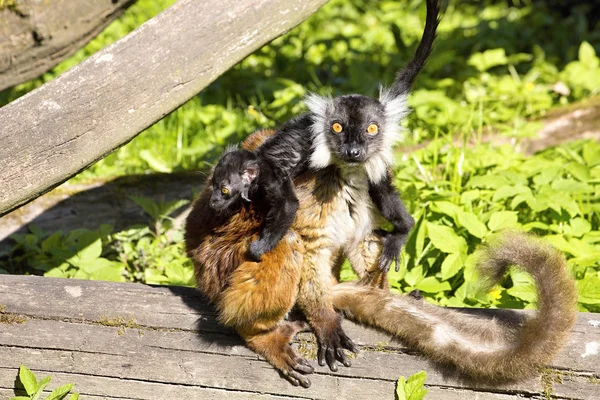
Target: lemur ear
[250, 173]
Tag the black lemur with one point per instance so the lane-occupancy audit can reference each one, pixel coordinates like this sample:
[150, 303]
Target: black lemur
[352, 124]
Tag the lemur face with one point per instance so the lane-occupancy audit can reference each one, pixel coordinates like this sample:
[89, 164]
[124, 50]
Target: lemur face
[355, 131]
[355, 127]
[232, 177]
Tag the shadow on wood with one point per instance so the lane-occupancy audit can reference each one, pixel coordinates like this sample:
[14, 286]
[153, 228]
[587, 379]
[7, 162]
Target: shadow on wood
[124, 340]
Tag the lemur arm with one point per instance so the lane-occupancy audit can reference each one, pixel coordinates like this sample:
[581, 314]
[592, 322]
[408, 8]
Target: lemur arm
[387, 200]
[280, 204]
[281, 157]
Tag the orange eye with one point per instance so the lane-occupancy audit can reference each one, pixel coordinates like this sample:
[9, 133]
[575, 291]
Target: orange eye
[373, 129]
[337, 127]
[224, 190]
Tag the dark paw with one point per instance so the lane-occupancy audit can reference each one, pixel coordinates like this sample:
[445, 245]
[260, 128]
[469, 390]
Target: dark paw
[416, 294]
[392, 245]
[297, 367]
[331, 349]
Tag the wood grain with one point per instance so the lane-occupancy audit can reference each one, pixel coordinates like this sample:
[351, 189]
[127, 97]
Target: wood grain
[37, 35]
[62, 127]
[174, 348]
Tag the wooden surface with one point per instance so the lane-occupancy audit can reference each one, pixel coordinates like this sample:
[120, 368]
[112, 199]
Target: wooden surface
[57, 130]
[36, 35]
[174, 349]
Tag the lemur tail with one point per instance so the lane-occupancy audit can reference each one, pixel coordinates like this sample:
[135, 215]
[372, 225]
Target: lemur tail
[406, 76]
[492, 349]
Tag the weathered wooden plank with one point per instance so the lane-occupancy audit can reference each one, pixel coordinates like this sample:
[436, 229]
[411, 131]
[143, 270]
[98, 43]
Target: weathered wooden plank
[57, 130]
[184, 309]
[69, 336]
[99, 387]
[96, 344]
[37, 35]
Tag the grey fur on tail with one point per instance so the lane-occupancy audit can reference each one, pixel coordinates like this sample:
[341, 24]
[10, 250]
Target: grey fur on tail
[483, 348]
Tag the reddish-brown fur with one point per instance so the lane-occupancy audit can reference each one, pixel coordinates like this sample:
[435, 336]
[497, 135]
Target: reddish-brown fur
[254, 297]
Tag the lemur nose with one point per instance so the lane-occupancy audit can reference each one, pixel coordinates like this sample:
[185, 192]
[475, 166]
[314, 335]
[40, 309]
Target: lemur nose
[354, 153]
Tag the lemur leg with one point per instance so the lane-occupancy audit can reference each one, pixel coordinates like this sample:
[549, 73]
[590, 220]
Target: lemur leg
[255, 302]
[364, 259]
[314, 299]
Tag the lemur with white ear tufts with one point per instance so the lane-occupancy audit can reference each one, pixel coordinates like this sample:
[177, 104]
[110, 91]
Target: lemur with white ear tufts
[345, 130]
[349, 149]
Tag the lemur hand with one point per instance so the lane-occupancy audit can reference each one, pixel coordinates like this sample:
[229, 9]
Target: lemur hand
[392, 246]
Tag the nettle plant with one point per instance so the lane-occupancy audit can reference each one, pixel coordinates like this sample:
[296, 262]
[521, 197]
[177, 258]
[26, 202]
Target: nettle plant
[34, 388]
[461, 195]
[149, 254]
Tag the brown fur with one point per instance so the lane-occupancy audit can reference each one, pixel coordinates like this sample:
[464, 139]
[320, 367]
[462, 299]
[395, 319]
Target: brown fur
[254, 297]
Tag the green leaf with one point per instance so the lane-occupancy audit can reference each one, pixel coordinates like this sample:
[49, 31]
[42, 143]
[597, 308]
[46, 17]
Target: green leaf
[414, 275]
[41, 386]
[451, 265]
[470, 196]
[103, 269]
[445, 207]
[412, 389]
[472, 223]
[155, 162]
[577, 227]
[53, 241]
[36, 230]
[178, 275]
[60, 392]
[523, 286]
[488, 59]
[445, 239]
[28, 380]
[20, 398]
[148, 205]
[591, 154]
[172, 206]
[431, 284]
[587, 55]
[74, 396]
[508, 191]
[589, 289]
[579, 171]
[488, 181]
[502, 220]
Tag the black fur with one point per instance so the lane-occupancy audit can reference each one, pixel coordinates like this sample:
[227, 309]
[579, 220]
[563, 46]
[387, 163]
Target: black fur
[283, 156]
[406, 76]
[355, 113]
[288, 151]
[386, 198]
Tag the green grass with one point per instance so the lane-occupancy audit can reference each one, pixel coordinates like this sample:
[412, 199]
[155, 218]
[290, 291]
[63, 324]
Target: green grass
[494, 70]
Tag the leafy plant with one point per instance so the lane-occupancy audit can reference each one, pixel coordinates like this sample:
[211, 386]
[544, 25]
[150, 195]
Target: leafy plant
[461, 195]
[35, 388]
[411, 388]
[148, 254]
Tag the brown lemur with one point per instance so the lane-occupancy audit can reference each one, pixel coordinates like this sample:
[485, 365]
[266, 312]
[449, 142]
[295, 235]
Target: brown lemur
[254, 297]
[336, 217]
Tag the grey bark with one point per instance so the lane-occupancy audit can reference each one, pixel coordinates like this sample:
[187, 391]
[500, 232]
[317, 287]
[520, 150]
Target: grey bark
[37, 35]
[67, 124]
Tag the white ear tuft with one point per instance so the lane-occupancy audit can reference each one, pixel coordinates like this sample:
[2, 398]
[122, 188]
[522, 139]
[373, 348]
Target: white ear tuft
[230, 148]
[318, 105]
